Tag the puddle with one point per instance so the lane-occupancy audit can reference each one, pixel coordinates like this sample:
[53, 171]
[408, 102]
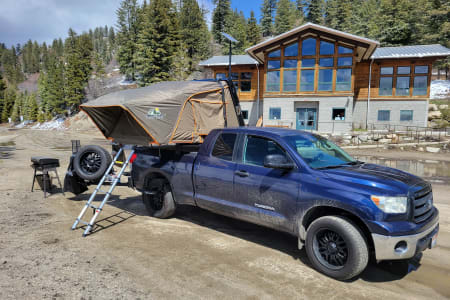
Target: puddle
[6, 149]
[62, 148]
[10, 143]
[432, 170]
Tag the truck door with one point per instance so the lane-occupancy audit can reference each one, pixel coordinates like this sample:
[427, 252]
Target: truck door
[214, 174]
[269, 194]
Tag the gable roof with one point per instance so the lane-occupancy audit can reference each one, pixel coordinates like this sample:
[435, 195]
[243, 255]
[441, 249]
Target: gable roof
[435, 50]
[222, 60]
[365, 49]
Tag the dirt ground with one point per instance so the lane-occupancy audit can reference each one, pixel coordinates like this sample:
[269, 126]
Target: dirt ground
[195, 254]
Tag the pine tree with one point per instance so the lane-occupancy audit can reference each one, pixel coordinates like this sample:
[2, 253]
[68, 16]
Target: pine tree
[44, 51]
[285, 16]
[2, 94]
[128, 26]
[194, 32]
[338, 14]
[17, 108]
[8, 103]
[268, 12]
[315, 11]
[32, 108]
[396, 29]
[221, 18]
[300, 8]
[253, 30]
[51, 87]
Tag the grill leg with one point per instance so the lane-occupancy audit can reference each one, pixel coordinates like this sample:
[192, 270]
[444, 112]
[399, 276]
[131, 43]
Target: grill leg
[34, 178]
[59, 181]
[44, 176]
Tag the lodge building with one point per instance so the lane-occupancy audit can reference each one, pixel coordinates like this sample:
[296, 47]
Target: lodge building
[317, 78]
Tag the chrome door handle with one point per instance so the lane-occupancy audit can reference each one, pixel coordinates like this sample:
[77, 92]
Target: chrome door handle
[242, 173]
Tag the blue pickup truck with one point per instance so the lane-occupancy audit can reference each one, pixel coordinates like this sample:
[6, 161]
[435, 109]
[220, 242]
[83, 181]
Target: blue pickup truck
[342, 210]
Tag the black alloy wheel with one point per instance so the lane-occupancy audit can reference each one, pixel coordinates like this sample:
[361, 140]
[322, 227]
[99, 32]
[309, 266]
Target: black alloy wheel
[91, 162]
[331, 249]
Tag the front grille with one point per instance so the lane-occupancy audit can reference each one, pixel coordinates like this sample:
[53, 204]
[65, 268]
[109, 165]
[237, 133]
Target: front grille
[423, 204]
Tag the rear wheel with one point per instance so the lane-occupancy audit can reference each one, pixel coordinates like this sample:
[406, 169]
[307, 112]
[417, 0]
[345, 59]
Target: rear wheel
[336, 247]
[159, 201]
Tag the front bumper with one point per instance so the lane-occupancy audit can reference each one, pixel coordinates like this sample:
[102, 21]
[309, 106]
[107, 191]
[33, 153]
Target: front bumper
[403, 247]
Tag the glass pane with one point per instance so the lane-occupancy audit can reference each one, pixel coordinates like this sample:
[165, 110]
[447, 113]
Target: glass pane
[307, 81]
[387, 70]
[234, 76]
[344, 50]
[326, 62]
[402, 87]
[221, 76]
[274, 113]
[421, 69]
[326, 48]
[384, 115]
[325, 80]
[420, 85]
[246, 75]
[309, 47]
[273, 81]
[246, 86]
[345, 61]
[291, 50]
[385, 86]
[275, 53]
[403, 70]
[290, 63]
[258, 148]
[343, 79]
[338, 114]
[273, 64]
[406, 115]
[308, 63]
[245, 114]
[290, 80]
[223, 148]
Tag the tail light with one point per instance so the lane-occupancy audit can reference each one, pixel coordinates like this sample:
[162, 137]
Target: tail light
[133, 158]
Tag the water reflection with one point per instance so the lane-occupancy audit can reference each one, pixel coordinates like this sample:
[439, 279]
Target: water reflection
[435, 171]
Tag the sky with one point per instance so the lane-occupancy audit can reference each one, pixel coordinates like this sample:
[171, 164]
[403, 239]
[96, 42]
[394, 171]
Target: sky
[44, 20]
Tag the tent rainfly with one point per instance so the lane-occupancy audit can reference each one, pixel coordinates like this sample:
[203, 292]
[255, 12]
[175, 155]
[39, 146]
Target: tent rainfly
[163, 113]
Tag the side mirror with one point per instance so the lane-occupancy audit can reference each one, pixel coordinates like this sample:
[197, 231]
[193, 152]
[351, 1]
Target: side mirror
[277, 161]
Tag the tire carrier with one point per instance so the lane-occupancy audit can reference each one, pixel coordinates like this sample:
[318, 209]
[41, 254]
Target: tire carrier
[116, 180]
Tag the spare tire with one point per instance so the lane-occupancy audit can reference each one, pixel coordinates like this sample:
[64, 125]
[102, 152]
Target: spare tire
[91, 162]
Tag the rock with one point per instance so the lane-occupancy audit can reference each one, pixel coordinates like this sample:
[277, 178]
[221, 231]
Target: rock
[443, 106]
[407, 138]
[432, 107]
[433, 149]
[346, 142]
[402, 148]
[346, 136]
[384, 141]
[420, 149]
[363, 138]
[434, 115]
[391, 136]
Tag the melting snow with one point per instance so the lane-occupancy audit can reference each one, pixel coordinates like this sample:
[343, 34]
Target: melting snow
[440, 89]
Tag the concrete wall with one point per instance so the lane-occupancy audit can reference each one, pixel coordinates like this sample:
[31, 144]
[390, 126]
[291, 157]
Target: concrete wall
[324, 106]
[419, 108]
[251, 107]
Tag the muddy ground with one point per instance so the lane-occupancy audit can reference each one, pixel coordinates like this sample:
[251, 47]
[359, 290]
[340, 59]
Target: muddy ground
[196, 254]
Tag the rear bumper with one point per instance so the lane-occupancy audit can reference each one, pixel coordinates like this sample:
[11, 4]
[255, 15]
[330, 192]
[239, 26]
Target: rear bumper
[406, 246]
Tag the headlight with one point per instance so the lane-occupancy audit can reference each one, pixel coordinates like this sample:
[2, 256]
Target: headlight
[390, 205]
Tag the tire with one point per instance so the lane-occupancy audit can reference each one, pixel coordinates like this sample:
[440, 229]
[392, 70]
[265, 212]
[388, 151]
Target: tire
[91, 161]
[336, 247]
[160, 205]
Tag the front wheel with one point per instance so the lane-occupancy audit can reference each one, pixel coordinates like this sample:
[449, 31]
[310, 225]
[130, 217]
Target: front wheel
[336, 247]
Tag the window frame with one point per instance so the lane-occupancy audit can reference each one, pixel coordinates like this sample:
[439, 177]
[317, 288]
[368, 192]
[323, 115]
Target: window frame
[241, 159]
[412, 115]
[345, 114]
[270, 114]
[384, 110]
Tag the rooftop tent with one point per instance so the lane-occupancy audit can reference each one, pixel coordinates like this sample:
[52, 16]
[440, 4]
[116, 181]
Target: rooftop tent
[163, 113]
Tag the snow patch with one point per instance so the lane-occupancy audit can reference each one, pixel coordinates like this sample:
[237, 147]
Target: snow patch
[440, 89]
[126, 82]
[57, 124]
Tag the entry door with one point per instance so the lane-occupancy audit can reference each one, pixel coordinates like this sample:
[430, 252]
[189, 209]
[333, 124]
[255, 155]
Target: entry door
[306, 118]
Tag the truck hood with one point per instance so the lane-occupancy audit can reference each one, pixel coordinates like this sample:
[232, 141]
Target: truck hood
[390, 181]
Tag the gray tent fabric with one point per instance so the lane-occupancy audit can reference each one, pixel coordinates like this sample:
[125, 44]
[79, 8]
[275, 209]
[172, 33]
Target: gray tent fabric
[163, 113]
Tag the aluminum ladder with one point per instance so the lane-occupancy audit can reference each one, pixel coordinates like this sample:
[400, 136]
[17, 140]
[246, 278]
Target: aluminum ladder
[98, 209]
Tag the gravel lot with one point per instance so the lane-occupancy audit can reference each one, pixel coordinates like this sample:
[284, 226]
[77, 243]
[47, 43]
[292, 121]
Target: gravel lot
[196, 254]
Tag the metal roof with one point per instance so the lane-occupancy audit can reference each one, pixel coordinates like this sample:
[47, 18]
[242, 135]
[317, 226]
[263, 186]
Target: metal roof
[372, 44]
[411, 51]
[222, 60]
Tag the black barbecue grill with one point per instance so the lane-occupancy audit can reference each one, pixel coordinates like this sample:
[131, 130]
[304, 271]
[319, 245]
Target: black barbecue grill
[44, 165]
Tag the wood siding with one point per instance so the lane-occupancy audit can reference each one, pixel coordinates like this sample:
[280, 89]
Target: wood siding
[244, 96]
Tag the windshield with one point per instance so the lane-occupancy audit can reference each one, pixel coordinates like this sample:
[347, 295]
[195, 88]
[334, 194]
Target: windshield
[318, 152]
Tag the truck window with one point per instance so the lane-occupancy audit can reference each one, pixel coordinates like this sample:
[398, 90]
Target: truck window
[257, 148]
[223, 148]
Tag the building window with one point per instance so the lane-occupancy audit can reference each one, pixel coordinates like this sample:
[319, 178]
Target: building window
[291, 50]
[290, 80]
[385, 86]
[387, 71]
[403, 70]
[421, 69]
[273, 64]
[343, 79]
[308, 63]
[326, 48]
[384, 115]
[325, 79]
[245, 81]
[307, 80]
[420, 85]
[345, 61]
[402, 86]
[245, 114]
[223, 148]
[344, 50]
[275, 53]
[290, 63]
[338, 114]
[273, 81]
[309, 47]
[326, 62]
[406, 115]
[275, 113]
[221, 76]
